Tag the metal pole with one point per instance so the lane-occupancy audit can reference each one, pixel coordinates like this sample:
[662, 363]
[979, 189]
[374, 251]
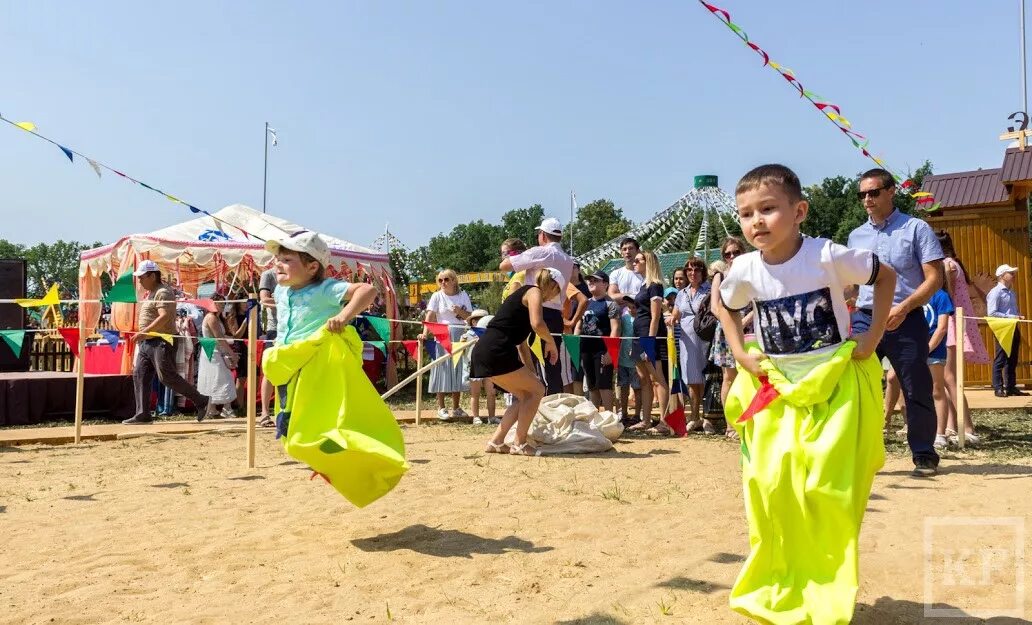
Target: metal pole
[1024, 87]
[265, 178]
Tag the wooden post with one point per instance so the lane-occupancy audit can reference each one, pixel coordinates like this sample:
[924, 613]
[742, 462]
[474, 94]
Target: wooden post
[419, 380]
[80, 379]
[961, 401]
[252, 379]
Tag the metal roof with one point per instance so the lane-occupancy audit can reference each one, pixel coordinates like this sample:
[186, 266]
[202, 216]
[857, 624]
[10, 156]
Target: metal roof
[967, 188]
[1017, 165]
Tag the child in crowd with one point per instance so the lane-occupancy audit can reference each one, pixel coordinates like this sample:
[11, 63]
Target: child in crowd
[626, 374]
[810, 455]
[601, 318]
[937, 313]
[306, 300]
[478, 319]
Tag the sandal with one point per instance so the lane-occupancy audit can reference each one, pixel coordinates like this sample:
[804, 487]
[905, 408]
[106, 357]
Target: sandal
[693, 425]
[496, 448]
[524, 450]
[707, 427]
[266, 422]
[660, 429]
[640, 426]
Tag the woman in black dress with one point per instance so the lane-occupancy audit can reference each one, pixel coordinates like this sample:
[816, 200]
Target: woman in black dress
[503, 356]
[648, 323]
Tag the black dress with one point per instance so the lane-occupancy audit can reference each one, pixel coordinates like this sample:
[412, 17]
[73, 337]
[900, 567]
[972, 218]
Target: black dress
[496, 352]
[643, 318]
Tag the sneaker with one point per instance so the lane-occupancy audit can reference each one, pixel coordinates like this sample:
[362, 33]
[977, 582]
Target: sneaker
[494, 420]
[227, 413]
[443, 415]
[924, 468]
[1000, 393]
[969, 439]
[478, 421]
[940, 442]
[138, 419]
[202, 410]
[1016, 392]
[459, 412]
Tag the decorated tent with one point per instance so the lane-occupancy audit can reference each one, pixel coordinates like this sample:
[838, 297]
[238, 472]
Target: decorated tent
[226, 248]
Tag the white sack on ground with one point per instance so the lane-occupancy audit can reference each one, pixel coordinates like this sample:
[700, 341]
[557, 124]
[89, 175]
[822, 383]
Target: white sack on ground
[570, 424]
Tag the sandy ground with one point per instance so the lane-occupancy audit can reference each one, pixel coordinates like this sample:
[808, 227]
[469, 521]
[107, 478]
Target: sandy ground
[176, 530]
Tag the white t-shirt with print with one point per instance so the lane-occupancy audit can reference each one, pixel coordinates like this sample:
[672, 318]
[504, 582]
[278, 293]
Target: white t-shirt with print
[626, 280]
[441, 303]
[800, 309]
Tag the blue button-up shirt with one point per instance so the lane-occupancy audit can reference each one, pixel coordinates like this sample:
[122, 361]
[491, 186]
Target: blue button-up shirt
[904, 243]
[1001, 302]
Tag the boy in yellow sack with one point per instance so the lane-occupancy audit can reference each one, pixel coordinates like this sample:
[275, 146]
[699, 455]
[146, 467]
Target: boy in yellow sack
[329, 414]
[809, 413]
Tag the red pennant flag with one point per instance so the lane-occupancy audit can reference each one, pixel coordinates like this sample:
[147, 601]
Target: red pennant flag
[412, 347]
[71, 336]
[763, 398]
[677, 421]
[613, 347]
[205, 304]
[440, 332]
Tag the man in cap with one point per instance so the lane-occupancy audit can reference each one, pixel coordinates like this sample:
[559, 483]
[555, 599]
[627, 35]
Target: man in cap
[155, 355]
[1003, 302]
[548, 253]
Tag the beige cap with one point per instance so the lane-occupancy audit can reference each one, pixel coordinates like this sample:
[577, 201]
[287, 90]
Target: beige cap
[305, 241]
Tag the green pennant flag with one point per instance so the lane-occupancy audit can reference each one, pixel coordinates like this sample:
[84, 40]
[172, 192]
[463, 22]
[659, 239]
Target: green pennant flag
[572, 344]
[208, 345]
[14, 339]
[380, 345]
[124, 290]
[381, 325]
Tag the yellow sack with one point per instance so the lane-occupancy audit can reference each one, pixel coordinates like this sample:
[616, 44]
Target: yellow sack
[808, 462]
[333, 419]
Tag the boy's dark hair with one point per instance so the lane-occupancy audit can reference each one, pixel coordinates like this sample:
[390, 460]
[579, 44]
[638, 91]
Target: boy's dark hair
[627, 240]
[515, 245]
[772, 174]
[884, 177]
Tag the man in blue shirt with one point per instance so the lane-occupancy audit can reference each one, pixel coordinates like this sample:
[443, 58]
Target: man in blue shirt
[1003, 302]
[910, 247]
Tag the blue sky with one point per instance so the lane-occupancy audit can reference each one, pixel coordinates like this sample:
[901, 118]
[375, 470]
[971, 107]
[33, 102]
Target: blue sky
[428, 114]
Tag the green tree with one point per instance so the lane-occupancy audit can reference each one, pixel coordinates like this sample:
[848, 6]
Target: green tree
[596, 222]
[520, 223]
[468, 247]
[47, 263]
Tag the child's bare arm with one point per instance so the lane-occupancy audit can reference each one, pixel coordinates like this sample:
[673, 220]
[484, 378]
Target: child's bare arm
[360, 296]
[731, 324]
[884, 288]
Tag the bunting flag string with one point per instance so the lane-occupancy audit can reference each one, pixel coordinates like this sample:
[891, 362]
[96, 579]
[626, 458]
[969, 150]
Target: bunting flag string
[381, 325]
[15, 339]
[832, 112]
[441, 333]
[648, 345]
[52, 298]
[1003, 329]
[412, 347]
[572, 344]
[97, 165]
[71, 336]
[613, 348]
[208, 345]
[457, 352]
[123, 290]
[431, 348]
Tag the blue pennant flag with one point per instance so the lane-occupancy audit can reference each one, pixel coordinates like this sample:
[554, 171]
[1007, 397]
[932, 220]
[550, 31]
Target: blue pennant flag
[111, 336]
[648, 345]
[431, 348]
[67, 152]
[479, 331]
[193, 209]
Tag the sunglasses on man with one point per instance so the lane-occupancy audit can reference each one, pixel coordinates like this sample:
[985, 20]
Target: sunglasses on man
[874, 193]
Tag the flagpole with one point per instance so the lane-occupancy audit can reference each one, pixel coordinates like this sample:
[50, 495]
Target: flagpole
[265, 178]
[572, 203]
[1024, 89]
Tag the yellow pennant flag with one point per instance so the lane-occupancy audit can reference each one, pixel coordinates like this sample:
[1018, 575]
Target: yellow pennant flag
[536, 347]
[167, 337]
[671, 359]
[52, 298]
[1004, 331]
[456, 353]
[26, 126]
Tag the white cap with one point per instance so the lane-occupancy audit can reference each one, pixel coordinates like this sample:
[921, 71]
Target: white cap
[479, 312]
[305, 241]
[146, 266]
[551, 225]
[1002, 269]
[484, 321]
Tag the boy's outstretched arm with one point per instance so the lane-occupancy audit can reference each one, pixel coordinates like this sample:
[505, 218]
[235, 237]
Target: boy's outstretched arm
[731, 324]
[360, 296]
[884, 288]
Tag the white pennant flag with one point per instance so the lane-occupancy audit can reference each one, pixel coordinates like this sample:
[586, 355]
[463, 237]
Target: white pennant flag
[95, 166]
[275, 140]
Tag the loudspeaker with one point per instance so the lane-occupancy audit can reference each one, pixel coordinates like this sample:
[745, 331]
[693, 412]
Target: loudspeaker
[12, 316]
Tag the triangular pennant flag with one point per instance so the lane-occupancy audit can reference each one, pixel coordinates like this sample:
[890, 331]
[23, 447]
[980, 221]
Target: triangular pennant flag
[52, 298]
[381, 325]
[1004, 331]
[203, 304]
[167, 337]
[572, 344]
[29, 126]
[251, 305]
[123, 290]
[648, 345]
[71, 336]
[67, 153]
[479, 331]
[95, 166]
[193, 209]
[412, 347]
[431, 348]
[764, 396]
[441, 333]
[380, 345]
[677, 421]
[111, 336]
[613, 348]
[457, 352]
[535, 346]
[15, 339]
[208, 345]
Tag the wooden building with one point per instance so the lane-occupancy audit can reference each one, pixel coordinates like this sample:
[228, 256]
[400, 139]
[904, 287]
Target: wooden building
[986, 213]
